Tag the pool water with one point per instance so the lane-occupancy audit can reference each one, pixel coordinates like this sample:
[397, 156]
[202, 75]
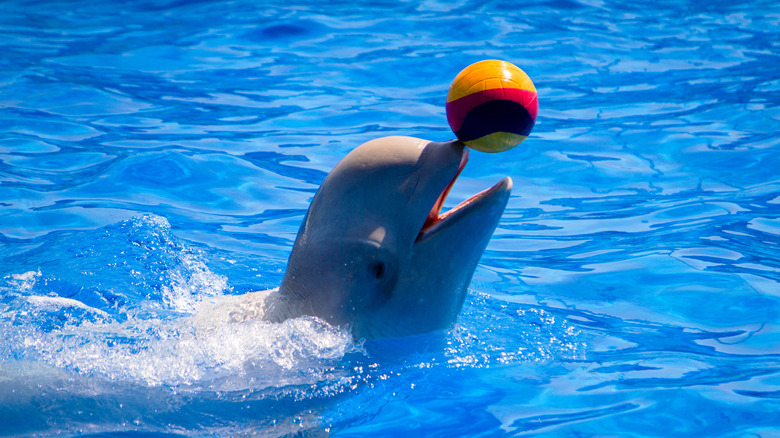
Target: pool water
[157, 157]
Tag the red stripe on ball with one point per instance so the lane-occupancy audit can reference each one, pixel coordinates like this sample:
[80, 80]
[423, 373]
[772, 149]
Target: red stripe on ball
[457, 109]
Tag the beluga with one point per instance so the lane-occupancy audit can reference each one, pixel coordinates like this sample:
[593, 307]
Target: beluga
[376, 253]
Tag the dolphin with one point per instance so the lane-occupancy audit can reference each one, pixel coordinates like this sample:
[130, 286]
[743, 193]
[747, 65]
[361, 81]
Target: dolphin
[374, 251]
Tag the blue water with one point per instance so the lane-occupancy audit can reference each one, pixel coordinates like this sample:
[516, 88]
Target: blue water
[156, 158]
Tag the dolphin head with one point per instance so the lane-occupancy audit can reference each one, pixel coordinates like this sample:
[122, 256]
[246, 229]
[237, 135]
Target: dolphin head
[374, 251]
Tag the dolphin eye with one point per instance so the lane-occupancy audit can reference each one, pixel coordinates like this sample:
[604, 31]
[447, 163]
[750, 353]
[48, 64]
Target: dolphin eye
[378, 270]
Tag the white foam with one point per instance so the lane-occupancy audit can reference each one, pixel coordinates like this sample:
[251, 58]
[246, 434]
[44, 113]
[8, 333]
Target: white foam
[204, 350]
[190, 283]
[23, 283]
[54, 304]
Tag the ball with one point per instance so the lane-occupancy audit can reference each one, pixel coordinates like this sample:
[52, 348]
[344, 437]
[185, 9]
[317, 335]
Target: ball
[492, 106]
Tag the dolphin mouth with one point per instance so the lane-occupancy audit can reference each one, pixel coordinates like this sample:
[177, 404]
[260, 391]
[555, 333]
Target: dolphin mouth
[435, 215]
[436, 219]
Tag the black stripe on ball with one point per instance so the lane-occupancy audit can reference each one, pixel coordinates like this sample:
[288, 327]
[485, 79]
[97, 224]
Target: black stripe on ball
[495, 116]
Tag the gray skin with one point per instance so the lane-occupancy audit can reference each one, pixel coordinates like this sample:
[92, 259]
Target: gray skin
[368, 256]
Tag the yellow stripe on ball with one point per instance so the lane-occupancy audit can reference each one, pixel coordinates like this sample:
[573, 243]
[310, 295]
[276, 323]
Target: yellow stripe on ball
[496, 142]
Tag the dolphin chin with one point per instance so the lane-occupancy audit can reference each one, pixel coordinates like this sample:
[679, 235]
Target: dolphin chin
[376, 253]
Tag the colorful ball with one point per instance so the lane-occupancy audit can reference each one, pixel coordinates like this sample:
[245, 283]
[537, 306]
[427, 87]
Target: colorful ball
[492, 106]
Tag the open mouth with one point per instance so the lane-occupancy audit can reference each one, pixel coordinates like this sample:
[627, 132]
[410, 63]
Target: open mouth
[436, 217]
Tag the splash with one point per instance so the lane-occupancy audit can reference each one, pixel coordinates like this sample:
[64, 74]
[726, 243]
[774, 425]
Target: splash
[144, 308]
[250, 354]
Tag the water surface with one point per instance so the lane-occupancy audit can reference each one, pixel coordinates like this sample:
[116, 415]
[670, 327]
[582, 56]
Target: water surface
[156, 158]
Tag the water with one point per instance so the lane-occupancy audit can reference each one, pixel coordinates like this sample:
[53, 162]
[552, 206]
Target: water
[156, 159]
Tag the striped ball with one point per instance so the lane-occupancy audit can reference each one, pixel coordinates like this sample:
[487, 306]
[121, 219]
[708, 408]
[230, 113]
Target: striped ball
[492, 106]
